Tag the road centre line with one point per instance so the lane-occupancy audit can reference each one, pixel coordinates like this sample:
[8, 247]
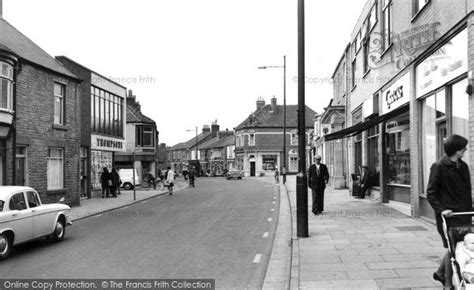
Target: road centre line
[265, 235]
[269, 219]
[257, 258]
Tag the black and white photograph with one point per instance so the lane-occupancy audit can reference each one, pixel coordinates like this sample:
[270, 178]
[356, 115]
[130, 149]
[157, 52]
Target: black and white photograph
[223, 144]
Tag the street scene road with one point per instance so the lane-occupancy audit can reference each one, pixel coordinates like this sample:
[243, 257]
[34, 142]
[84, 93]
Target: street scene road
[221, 229]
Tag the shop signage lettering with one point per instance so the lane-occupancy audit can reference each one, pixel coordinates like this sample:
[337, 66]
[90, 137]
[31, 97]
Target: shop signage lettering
[397, 94]
[447, 63]
[407, 45]
[393, 96]
[109, 143]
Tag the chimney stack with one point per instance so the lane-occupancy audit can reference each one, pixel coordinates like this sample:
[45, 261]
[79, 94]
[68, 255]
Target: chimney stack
[274, 104]
[206, 129]
[260, 103]
[214, 128]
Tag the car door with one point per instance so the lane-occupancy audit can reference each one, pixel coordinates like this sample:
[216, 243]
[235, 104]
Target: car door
[43, 218]
[20, 217]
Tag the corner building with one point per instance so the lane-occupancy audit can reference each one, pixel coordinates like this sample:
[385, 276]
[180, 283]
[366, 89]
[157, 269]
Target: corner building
[408, 85]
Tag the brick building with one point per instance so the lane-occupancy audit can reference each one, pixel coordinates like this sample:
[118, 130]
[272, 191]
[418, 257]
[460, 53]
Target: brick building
[39, 119]
[218, 153]
[407, 82]
[103, 119]
[259, 139]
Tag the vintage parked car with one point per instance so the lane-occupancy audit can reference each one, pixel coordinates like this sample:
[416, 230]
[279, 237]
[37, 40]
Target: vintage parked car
[234, 173]
[23, 217]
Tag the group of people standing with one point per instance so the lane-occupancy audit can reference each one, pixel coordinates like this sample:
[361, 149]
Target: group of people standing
[110, 182]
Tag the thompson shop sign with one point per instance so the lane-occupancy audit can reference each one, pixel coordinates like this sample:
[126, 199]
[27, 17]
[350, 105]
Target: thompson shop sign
[397, 94]
[107, 143]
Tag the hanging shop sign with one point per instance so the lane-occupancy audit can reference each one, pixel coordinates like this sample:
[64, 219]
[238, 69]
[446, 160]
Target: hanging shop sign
[397, 94]
[445, 64]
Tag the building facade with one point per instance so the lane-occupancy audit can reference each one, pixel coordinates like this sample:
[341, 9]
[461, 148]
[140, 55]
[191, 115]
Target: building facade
[409, 82]
[141, 141]
[218, 153]
[259, 139]
[103, 117]
[39, 119]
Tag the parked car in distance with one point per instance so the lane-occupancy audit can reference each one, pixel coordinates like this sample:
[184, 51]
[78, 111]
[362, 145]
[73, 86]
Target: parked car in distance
[234, 173]
[126, 175]
[23, 218]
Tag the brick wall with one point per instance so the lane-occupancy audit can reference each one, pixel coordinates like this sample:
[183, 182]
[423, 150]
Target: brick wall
[34, 126]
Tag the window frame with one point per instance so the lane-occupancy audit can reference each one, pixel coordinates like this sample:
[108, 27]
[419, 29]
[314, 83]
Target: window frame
[387, 40]
[61, 173]
[59, 120]
[7, 78]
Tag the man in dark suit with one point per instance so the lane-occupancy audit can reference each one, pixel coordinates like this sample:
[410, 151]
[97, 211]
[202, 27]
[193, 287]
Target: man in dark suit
[364, 182]
[318, 176]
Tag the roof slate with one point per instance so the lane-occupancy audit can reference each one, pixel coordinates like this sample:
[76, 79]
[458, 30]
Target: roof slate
[264, 117]
[135, 116]
[28, 50]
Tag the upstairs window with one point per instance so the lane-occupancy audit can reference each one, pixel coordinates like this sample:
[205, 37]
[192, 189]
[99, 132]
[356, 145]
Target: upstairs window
[144, 136]
[387, 24]
[6, 86]
[251, 139]
[59, 93]
[418, 5]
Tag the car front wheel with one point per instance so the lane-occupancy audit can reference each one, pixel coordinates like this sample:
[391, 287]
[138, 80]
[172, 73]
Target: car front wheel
[127, 186]
[59, 231]
[5, 246]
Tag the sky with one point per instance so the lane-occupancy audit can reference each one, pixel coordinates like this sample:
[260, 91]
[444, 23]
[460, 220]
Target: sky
[190, 62]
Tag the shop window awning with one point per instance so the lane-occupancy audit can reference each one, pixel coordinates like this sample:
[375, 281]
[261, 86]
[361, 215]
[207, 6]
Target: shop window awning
[359, 127]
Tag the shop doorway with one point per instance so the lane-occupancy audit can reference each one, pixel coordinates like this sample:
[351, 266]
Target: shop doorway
[442, 134]
[252, 168]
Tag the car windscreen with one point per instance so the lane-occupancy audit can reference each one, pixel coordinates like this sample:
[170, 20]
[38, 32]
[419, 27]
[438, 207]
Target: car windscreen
[1, 205]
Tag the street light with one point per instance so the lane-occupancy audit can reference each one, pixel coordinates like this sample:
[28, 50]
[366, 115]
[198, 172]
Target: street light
[196, 147]
[283, 171]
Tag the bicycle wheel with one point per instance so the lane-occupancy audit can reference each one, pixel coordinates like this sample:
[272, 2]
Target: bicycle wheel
[159, 186]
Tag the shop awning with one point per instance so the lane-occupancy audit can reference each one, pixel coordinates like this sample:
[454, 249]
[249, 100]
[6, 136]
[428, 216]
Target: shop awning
[357, 128]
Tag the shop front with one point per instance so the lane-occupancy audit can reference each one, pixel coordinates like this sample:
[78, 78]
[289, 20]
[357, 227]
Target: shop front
[443, 104]
[396, 149]
[102, 156]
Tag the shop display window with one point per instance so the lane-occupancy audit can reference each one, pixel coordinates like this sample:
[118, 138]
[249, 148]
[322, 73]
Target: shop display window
[398, 150]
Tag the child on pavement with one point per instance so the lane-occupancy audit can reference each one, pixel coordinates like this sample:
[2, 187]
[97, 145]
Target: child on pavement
[465, 257]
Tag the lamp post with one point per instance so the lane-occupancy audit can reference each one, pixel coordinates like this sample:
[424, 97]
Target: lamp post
[301, 179]
[283, 171]
[196, 145]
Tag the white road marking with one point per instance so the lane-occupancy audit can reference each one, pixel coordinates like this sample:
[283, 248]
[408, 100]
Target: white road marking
[269, 219]
[274, 202]
[265, 235]
[257, 259]
[272, 209]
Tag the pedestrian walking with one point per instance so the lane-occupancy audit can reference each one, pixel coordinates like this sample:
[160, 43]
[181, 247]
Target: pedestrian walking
[277, 175]
[448, 191]
[115, 178]
[318, 176]
[105, 182]
[170, 180]
[364, 182]
[191, 175]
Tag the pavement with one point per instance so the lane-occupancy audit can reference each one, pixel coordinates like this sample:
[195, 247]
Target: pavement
[97, 205]
[355, 244]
